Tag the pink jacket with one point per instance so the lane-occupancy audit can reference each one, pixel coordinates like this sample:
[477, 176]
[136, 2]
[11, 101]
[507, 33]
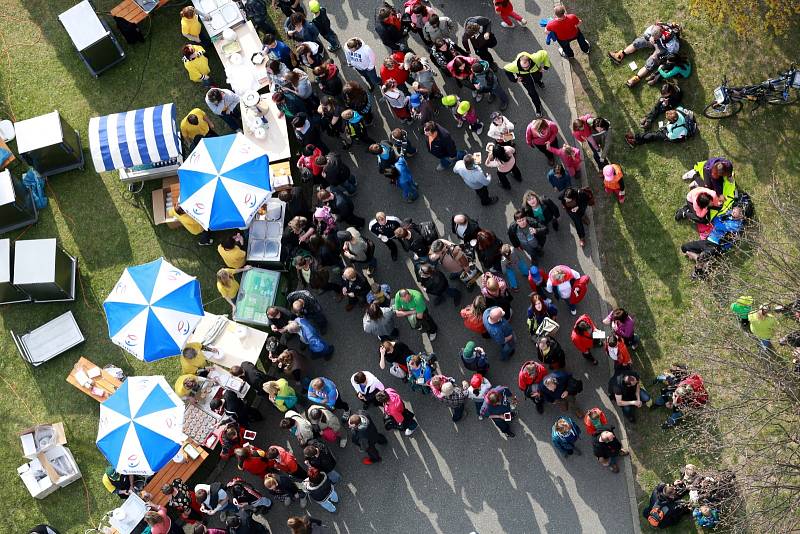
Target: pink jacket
[532, 137]
[585, 134]
[502, 166]
[691, 198]
[571, 163]
[468, 60]
[395, 406]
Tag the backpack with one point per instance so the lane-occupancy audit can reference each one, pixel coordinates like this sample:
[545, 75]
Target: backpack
[690, 121]
[579, 289]
[428, 231]
[656, 514]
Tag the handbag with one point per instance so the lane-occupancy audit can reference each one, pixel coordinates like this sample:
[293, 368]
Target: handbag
[396, 371]
[329, 435]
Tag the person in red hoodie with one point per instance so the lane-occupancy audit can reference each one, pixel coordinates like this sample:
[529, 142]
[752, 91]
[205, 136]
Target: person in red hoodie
[252, 459]
[530, 374]
[395, 411]
[283, 460]
[473, 316]
[393, 69]
[505, 9]
[565, 27]
[582, 337]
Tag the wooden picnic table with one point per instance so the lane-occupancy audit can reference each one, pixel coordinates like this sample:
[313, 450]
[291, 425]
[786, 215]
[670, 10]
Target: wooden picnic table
[173, 470]
[108, 382]
[133, 12]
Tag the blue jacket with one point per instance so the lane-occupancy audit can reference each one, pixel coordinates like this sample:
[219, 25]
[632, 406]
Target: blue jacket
[327, 396]
[282, 53]
[310, 336]
[499, 409]
[723, 225]
[565, 442]
[498, 331]
[405, 174]
[423, 371]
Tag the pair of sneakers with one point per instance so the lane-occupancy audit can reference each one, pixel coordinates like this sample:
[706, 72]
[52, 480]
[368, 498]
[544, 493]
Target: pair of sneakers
[522, 22]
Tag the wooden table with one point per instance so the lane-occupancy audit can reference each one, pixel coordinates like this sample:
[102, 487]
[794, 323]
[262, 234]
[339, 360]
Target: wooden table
[106, 380]
[233, 349]
[133, 12]
[10, 159]
[173, 470]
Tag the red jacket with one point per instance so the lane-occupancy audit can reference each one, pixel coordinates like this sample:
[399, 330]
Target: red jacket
[590, 428]
[532, 137]
[399, 74]
[309, 162]
[579, 289]
[525, 379]
[256, 463]
[700, 396]
[582, 342]
[623, 354]
[285, 462]
[473, 322]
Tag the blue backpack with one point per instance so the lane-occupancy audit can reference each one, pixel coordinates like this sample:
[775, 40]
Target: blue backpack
[35, 184]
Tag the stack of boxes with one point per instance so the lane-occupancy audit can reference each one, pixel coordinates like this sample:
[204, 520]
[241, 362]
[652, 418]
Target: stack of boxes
[51, 465]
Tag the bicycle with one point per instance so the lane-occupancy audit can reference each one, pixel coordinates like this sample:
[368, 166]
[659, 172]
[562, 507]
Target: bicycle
[780, 91]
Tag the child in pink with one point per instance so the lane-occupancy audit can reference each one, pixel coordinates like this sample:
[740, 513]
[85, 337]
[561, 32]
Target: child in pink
[570, 156]
[613, 182]
[505, 9]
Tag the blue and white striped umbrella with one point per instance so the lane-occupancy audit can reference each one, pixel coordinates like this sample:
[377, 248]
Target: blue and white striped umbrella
[224, 181]
[137, 137]
[141, 426]
[153, 309]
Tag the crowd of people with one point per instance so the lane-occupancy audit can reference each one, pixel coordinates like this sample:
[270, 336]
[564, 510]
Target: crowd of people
[332, 248]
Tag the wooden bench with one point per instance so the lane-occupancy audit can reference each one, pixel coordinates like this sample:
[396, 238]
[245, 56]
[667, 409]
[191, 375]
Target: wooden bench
[106, 381]
[173, 470]
[133, 12]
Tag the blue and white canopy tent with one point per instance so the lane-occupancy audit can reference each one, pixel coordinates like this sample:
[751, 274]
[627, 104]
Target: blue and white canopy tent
[141, 426]
[138, 137]
[224, 181]
[153, 309]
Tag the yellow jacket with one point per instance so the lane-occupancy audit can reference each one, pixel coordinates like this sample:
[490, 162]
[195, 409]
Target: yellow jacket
[234, 258]
[230, 291]
[538, 59]
[197, 67]
[190, 367]
[192, 226]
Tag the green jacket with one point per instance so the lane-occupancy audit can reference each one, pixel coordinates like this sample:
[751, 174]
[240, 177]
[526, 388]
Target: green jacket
[538, 59]
[742, 306]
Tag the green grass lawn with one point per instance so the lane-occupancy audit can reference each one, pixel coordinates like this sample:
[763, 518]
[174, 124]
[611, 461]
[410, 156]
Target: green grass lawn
[95, 219]
[639, 241]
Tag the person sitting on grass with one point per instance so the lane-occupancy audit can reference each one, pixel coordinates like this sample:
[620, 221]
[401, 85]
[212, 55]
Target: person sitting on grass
[680, 125]
[670, 98]
[663, 38]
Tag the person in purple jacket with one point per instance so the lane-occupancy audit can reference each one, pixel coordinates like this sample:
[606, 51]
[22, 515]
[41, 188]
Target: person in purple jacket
[623, 324]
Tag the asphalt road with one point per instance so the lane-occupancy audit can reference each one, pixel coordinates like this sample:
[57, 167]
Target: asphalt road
[450, 478]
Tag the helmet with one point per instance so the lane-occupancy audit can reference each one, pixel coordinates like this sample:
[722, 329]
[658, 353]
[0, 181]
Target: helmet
[313, 6]
[463, 107]
[449, 100]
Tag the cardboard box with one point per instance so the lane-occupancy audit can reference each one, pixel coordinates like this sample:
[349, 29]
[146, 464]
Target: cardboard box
[163, 199]
[36, 479]
[60, 466]
[40, 438]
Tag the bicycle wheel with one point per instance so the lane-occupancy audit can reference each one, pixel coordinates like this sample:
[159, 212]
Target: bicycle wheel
[721, 111]
[776, 99]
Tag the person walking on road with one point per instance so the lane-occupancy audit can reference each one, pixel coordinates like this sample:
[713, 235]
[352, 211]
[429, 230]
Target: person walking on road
[607, 448]
[565, 26]
[395, 413]
[500, 331]
[411, 304]
[530, 374]
[366, 386]
[441, 145]
[323, 391]
[475, 178]
[447, 390]
[564, 435]
[365, 435]
[362, 58]
[498, 406]
[527, 69]
[582, 337]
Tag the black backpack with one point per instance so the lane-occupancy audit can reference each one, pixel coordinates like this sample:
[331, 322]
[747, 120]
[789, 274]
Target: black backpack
[428, 231]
